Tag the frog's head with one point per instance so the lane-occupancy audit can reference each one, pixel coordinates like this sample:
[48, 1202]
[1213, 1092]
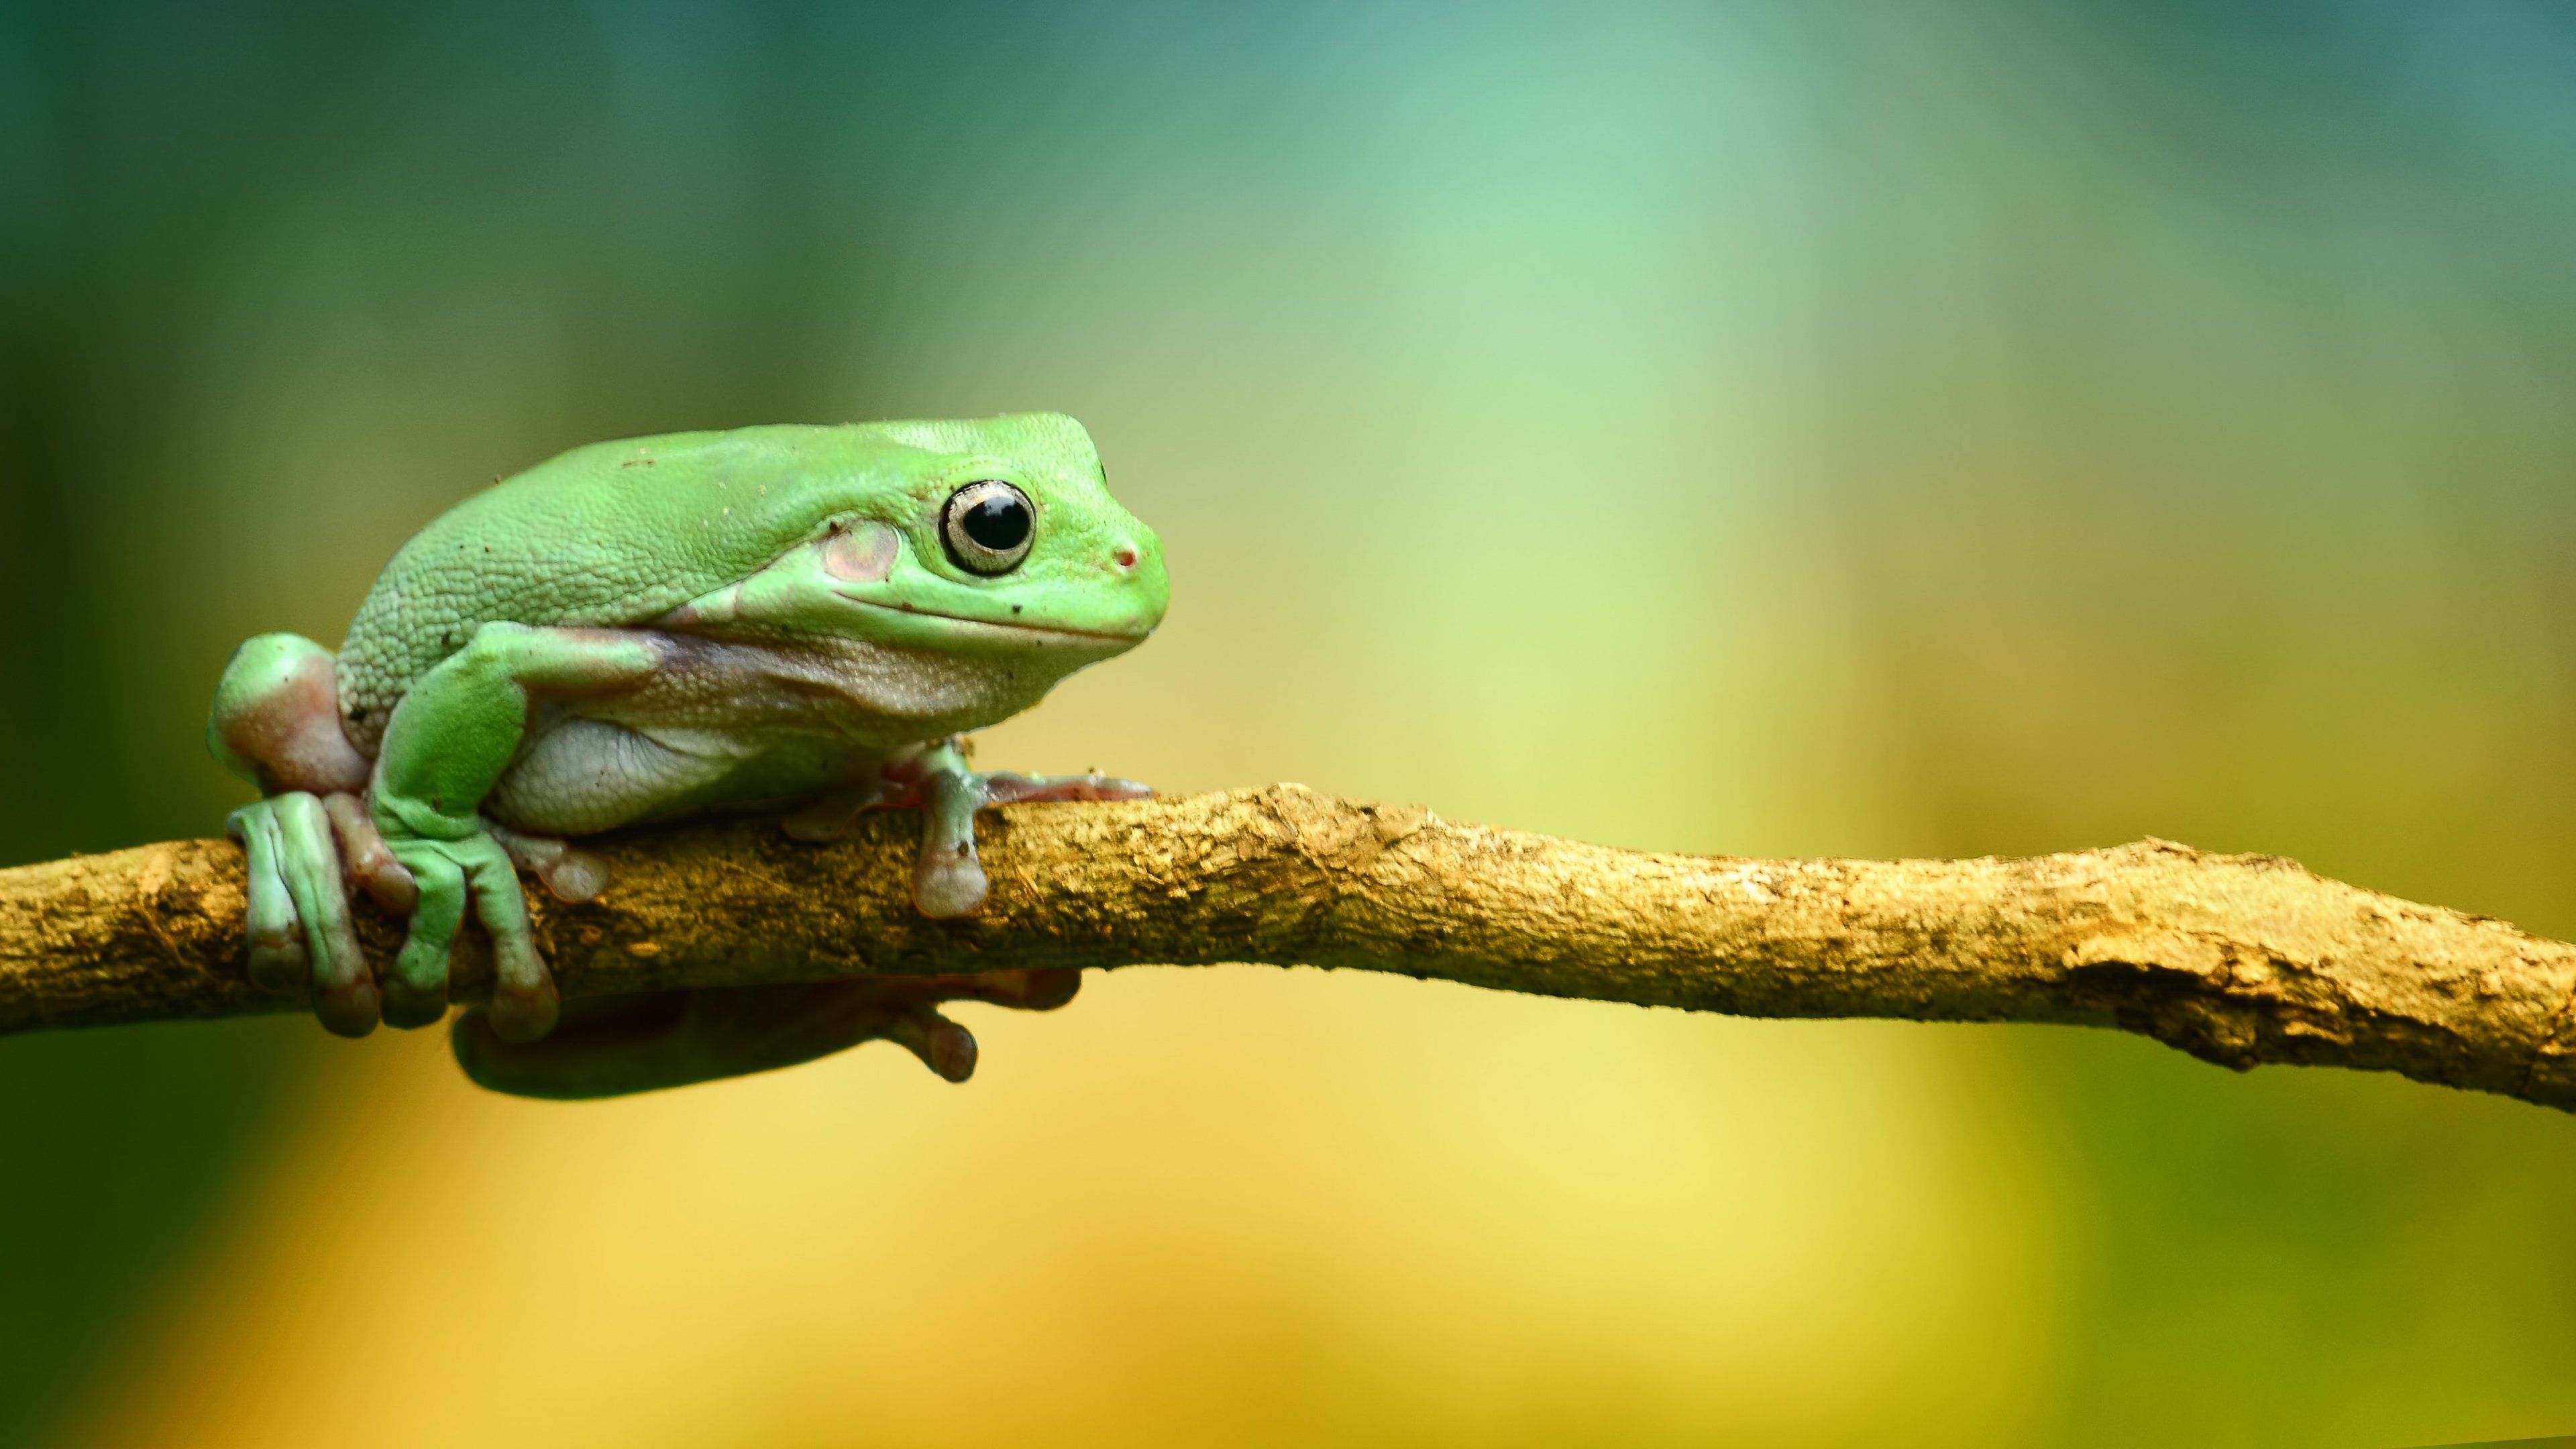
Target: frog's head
[993, 539]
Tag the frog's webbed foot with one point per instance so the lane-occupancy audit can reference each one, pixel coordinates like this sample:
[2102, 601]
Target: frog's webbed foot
[947, 879]
[457, 863]
[611, 1045]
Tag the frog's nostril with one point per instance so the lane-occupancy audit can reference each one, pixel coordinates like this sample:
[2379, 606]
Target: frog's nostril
[1125, 556]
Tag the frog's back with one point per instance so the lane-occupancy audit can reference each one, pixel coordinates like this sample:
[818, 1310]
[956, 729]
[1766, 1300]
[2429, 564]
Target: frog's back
[607, 535]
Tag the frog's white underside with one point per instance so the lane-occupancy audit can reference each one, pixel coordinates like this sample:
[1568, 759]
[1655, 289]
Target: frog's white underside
[733, 723]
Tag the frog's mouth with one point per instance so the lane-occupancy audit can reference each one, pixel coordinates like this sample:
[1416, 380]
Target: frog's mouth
[1012, 629]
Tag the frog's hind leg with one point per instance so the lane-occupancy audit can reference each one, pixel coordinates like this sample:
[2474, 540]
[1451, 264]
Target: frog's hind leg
[607, 1046]
[276, 721]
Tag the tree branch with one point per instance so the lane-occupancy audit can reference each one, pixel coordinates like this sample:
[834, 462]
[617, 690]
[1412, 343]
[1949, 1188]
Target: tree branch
[2237, 959]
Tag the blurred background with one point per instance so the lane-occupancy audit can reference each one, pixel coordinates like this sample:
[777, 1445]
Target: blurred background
[1855, 430]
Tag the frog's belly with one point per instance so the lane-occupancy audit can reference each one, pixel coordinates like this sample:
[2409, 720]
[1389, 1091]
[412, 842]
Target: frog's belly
[582, 776]
[731, 725]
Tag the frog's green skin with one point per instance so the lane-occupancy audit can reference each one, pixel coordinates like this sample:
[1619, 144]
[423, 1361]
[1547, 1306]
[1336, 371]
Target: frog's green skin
[639, 630]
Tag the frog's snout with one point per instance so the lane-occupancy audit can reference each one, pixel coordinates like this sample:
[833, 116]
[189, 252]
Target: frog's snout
[1135, 562]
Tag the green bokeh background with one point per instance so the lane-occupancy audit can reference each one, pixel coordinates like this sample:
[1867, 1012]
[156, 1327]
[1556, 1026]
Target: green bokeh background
[1768, 429]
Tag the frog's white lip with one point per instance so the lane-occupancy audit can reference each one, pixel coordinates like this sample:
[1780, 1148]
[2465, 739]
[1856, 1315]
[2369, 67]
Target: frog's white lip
[1041, 631]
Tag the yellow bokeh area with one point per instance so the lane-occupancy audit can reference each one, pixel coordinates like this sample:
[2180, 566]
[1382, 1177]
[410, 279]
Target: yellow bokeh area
[1257, 1209]
[1836, 430]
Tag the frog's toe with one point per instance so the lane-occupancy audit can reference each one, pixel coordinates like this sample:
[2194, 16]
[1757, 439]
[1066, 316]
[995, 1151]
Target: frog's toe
[524, 1002]
[904, 1009]
[451, 874]
[1005, 788]
[575, 876]
[277, 961]
[369, 862]
[1037, 989]
[409, 1005]
[344, 990]
[525, 1005]
[301, 936]
[524, 1013]
[571, 874]
[948, 882]
[941, 1044]
[415, 992]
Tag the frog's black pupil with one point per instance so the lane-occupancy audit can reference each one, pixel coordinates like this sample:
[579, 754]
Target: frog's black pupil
[999, 522]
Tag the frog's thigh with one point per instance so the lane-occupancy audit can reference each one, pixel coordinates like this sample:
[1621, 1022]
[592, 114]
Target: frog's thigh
[459, 726]
[450, 740]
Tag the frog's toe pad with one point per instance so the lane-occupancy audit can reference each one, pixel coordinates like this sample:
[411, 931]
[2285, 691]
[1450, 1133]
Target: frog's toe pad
[943, 1045]
[914, 1023]
[570, 874]
[949, 885]
[408, 1006]
[524, 1013]
[1040, 989]
[277, 960]
[349, 1010]
[575, 876]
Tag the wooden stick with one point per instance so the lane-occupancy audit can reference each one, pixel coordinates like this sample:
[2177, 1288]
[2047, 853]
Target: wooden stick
[2236, 959]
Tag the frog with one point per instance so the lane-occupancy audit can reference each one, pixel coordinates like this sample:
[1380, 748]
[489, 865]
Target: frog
[807, 620]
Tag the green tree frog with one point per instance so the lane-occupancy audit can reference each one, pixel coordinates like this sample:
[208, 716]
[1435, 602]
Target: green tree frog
[800, 618]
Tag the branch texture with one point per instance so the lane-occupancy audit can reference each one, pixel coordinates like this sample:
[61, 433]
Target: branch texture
[2236, 959]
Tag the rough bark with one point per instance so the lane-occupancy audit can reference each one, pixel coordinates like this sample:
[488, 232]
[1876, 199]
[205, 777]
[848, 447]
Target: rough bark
[2237, 959]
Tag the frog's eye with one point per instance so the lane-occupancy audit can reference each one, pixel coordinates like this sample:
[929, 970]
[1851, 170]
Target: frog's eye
[987, 527]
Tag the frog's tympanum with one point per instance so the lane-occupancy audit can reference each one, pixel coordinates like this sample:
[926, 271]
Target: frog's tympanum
[792, 618]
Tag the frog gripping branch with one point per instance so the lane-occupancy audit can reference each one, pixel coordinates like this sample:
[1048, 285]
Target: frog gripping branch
[792, 618]
[800, 621]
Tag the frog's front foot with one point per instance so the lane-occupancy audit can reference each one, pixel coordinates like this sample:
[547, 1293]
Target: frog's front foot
[947, 879]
